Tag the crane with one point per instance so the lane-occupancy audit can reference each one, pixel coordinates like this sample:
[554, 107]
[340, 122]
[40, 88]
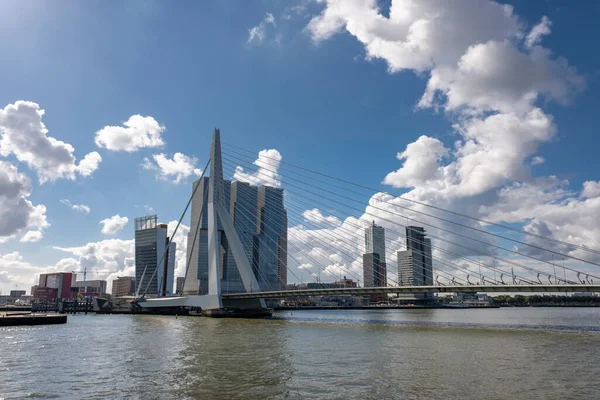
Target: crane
[84, 273]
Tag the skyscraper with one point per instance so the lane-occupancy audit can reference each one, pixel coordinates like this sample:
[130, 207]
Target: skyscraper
[270, 260]
[151, 242]
[415, 266]
[374, 265]
[260, 220]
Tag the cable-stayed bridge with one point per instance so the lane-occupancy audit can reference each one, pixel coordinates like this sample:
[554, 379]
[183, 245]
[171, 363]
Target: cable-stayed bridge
[308, 222]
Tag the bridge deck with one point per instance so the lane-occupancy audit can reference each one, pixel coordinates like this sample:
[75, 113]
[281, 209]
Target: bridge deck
[415, 289]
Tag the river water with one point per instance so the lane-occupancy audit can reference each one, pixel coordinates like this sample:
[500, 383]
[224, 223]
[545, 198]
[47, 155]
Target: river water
[508, 353]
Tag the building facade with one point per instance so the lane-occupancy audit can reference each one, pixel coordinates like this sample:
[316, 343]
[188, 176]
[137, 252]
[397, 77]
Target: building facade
[415, 264]
[374, 265]
[123, 286]
[55, 286]
[91, 288]
[260, 220]
[179, 284]
[154, 269]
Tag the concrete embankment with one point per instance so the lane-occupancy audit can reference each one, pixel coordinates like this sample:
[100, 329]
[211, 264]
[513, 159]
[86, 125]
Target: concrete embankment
[15, 319]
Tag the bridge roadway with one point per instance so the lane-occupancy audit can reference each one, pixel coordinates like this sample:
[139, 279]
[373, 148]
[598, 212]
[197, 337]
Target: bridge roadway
[415, 289]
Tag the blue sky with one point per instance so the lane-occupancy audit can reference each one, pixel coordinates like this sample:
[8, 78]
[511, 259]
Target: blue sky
[321, 101]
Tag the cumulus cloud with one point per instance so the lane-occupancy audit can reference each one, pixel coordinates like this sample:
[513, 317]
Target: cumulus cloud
[477, 71]
[421, 163]
[15, 271]
[136, 133]
[24, 135]
[89, 163]
[591, 189]
[537, 160]
[266, 173]
[112, 225]
[32, 236]
[488, 74]
[181, 246]
[549, 208]
[315, 215]
[177, 169]
[258, 33]
[537, 32]
[105, 259]
[17, 213]
[82, 208]
[497, 76]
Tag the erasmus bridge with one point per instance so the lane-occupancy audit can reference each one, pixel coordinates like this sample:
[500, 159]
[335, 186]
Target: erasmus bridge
[468, 254]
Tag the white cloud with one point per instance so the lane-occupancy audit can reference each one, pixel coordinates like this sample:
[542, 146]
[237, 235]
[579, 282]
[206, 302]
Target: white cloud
[549, 208]
[538, 31]
[488, 75]
[82, 208]
[105, 259]
[421, 163]
[15, 271]
[267, 165]
[32, 236]
[258, 33]
[497, 76]
[317, 217]
[89, 163]
[176, 169]
[537, 160]
[477, 71]
[591, 189]
[17, 213]
[181, 246]
[417, 35]
[112, 225]
[23, 134]
[138, 132]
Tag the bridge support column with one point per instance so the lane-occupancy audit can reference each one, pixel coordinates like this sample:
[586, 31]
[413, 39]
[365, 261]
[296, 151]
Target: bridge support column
[217, 212]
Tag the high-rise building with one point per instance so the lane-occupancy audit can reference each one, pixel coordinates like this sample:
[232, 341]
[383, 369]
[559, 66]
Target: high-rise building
[270, 261]
[123, 286]
[374, 265]
[151, 242]
[179, 284]
[260, 220]
[415, 265]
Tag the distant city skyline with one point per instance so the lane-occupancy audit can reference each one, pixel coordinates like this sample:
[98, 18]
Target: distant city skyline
[490, 111]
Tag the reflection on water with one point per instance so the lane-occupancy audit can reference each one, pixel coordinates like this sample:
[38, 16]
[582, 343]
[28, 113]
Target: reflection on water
[426, 354]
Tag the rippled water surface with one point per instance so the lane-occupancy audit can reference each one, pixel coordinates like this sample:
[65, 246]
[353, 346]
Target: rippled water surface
[509, 353]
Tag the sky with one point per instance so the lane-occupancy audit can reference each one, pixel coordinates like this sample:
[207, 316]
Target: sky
[107, 110]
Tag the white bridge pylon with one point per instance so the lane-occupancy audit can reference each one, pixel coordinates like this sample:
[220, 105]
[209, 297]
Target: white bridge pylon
[216, 208]
[216, 211]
